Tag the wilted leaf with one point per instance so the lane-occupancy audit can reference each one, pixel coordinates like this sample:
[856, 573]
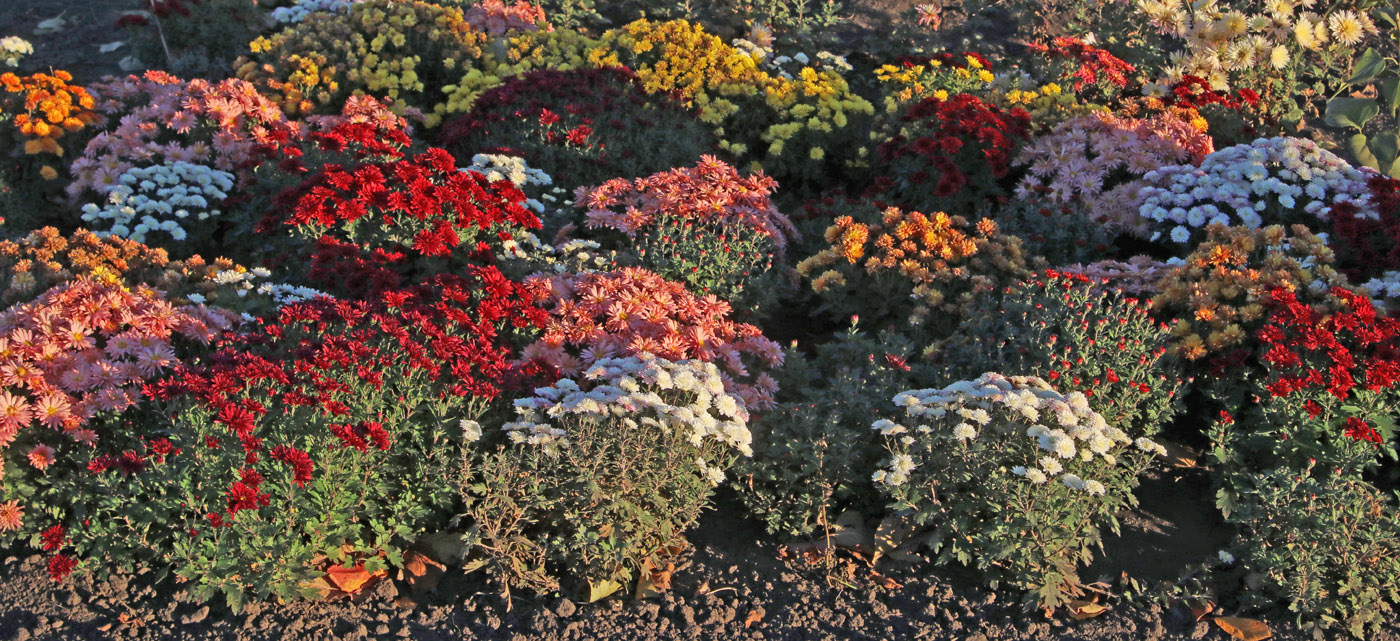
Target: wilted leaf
[893, 532]
[754, 616]
[653, 581]
[350, 579]
[1080, 609]
[1244, 629]
[111, 46]
[884, 581]
[1200, 611]
[1179, 455]
[422, 572]
[602, 589]
[444, 547]
[320, 588]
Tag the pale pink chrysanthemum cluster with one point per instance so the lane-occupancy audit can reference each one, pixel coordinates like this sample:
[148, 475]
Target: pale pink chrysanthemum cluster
[1098, 159]
[633, 312]
[496, 17]
[1138, 275]
[160, 119]
[86, 347]
[711, 190]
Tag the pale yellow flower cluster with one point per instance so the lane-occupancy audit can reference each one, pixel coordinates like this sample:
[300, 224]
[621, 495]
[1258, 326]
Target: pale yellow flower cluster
[1222, 40]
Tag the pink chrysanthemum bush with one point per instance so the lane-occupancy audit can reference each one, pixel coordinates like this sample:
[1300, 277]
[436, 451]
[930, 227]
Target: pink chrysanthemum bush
[75, 357]
[157, 118]
[498, 18]
[633, 312]
[705, 226]
[1008, 475]
[1094, 162]
[324, 438]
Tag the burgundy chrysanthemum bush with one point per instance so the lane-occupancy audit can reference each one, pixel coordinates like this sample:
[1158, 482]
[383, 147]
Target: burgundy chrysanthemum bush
[947, 155]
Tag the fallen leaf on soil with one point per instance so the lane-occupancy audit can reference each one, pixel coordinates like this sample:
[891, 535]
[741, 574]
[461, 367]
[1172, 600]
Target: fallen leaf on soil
[320, 588]
[884, 581]
[653, 582]
[1200, 611]
[111, 46]
[131, 63]
[422, 572]
[445, 547]
[348, 580]
[1080, 609]
[1244, 629]
[1179, 455]
[52, 25]
[600, 590]
[755, 615]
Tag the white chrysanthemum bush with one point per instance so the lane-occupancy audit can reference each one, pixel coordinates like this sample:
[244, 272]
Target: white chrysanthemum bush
[1012, 478]
[599, 478]
[1273, 181]
[178, 200]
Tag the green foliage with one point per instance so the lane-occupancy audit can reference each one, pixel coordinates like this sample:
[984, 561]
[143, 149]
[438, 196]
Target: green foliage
[711, 257]
[813, 454]
[196, 37]
[1060, 233]
[1328, 546]
[1378, 145]
[1080, 336]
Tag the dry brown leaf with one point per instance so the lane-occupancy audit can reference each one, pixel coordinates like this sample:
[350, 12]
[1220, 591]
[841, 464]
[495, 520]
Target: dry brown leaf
[423, 572]
[323, 587]
[1179, 455]
[884, 581]
[348, 580]
[1244, 629]
[754, 616]
[1200, 611]
[1080, 609]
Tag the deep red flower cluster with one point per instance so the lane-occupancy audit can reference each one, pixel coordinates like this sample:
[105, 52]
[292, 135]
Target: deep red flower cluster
[1094, 64]
[1196, 92]
[1368, 247]
[1338, 353]
[950, 145]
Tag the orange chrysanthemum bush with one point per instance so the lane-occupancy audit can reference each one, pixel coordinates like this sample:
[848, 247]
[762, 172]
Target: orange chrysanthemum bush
[73, 359]
[45, 120]
[46, 258]
[633, 312]
[897, 267]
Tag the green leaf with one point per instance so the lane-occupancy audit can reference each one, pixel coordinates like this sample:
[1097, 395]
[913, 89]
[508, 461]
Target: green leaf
[1357, 145]
[1368, 66]
[1386, 146]
[1351, 112]
[1389, 15]
[1389, 90]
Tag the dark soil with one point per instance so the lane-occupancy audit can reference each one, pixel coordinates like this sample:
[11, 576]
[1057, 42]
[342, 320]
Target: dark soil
[733, 584]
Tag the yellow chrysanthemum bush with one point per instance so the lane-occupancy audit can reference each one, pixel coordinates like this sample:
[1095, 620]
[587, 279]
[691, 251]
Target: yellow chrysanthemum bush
[422, 55]
[1283, 49]
[913, 78]
[904, 267]
[794, 128]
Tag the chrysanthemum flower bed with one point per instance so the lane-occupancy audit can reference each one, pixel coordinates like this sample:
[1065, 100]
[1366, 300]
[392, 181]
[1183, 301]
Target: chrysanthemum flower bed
[490, 288]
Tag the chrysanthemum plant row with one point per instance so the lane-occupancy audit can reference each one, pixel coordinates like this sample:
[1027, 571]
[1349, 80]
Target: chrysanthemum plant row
[423, 272]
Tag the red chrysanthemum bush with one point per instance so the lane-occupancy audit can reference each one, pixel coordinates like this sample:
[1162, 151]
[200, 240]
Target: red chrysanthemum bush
[1235, 116]
[947, 155]
[1086, 67]
[633, 312]
[325, 437]
[1294, 467]
[1368, 246]
[388, 218]
[72, 359]
[581, 127]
